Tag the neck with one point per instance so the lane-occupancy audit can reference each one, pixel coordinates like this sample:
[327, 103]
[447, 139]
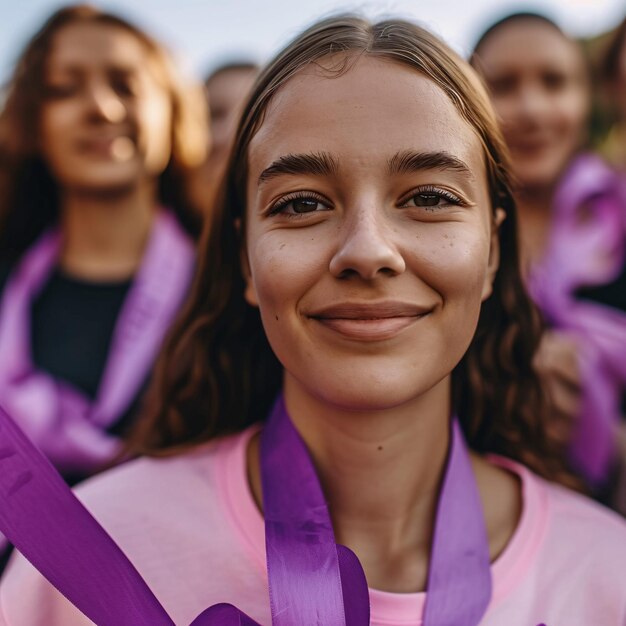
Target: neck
[104, 234]
[534, 210]
[381, 472]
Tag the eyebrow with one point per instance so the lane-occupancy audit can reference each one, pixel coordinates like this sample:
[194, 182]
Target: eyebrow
[409, 161]
[318, 163]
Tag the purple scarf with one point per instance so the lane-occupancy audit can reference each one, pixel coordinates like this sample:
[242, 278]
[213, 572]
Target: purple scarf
[68, 427]
[587, 247]
[311, 579]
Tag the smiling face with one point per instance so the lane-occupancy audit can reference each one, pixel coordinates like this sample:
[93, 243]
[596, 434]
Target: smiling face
[106, 119]
[370, 237]
[537, 82]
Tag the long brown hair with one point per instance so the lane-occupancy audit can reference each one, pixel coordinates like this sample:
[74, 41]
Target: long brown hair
[218, 374]
[28, 191]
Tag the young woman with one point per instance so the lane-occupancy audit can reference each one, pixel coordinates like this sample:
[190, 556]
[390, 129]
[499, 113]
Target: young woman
[358, 320]
[226, 88]
[572, 211]
[96, 231]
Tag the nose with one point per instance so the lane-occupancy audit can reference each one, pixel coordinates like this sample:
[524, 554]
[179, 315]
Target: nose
[532, 102]
[104, 103]
[368, 247]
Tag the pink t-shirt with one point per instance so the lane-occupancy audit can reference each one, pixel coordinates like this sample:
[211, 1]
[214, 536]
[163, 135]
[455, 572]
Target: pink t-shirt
[190, 526]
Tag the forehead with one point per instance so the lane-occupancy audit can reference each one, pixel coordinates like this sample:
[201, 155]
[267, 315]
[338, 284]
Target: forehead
[230, 85]
[528, 43]
[366, 115]
[85, 44]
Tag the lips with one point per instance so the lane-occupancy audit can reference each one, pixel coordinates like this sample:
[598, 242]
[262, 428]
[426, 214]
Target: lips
[107, 146]
[369, 321]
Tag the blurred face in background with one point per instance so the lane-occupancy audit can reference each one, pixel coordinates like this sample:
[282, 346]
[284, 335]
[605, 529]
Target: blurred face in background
[106, 118]
[539, 89]
[227, 91]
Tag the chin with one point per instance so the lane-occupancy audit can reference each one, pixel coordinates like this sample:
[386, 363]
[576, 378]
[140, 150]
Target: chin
[354, 393]
[106, 184]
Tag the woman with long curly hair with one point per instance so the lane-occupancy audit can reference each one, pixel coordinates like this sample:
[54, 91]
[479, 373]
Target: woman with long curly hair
[354, 367]
[97, 135]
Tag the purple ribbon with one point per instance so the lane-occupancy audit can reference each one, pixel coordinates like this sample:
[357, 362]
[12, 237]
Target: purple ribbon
[67, 426]
[587, 246]
[312, 580]
[299, 537]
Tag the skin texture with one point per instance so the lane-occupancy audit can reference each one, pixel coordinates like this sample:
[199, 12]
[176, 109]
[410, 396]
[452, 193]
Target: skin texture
[539, 90]
[370, 396]
[106, 117]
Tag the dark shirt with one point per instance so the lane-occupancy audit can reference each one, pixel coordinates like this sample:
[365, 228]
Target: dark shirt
[72, 327]
[612, 294]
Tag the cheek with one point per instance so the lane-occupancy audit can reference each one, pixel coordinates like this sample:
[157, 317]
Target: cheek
[574, 112]
[154, 119]
[55, 128]
[284, 265]
[453, 259]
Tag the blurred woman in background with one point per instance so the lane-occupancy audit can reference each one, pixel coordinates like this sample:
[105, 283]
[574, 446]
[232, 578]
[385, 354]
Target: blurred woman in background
[572, 212]
[226, 89]
[96, 229]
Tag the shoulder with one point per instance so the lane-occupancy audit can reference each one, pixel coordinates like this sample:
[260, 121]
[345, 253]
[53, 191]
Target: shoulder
[142, 486]
[569, 516]
[571, 536]
[577, 517]
[566, 561]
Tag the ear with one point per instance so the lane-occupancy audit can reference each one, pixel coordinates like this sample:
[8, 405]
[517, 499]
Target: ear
[249, 292]
[494, 253]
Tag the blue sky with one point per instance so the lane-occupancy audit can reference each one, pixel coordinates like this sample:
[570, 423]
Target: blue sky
[205, 32]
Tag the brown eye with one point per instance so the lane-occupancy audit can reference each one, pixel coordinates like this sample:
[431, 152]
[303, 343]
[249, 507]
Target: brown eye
[426, 199]
[431, 198]
[304, 205]
[554, 81]
[503, 85]
[123, 84]
[300, 205]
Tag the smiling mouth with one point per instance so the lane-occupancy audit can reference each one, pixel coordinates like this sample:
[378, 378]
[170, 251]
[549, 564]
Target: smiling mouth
[117, 148]
[370, 323]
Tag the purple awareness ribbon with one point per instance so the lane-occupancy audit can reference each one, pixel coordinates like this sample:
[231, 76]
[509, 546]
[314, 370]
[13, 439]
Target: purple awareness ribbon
[312, 580]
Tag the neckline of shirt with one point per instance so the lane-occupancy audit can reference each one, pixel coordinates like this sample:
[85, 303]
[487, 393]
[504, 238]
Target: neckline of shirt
[390, 609]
